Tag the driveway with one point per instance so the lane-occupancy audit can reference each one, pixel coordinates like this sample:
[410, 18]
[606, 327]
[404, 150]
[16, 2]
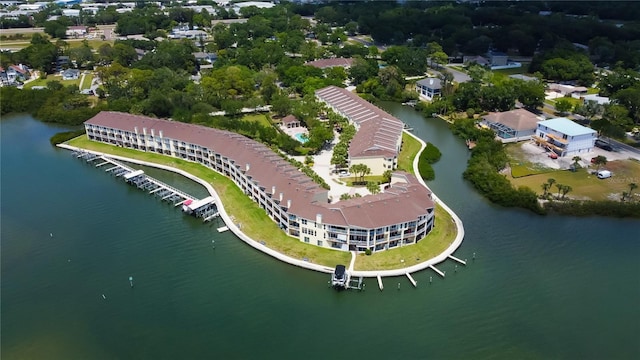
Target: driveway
[538, 155]
[458, 76]
[322, 166]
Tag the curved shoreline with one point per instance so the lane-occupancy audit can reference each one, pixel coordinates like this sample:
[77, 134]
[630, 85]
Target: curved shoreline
[296, 262]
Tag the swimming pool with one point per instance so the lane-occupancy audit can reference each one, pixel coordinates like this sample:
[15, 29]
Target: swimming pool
[302, 137]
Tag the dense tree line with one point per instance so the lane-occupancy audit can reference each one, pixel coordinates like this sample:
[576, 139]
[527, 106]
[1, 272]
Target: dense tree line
[473, 28]
[58, 104]
[430, 155]
[591, 208]
[488, 158]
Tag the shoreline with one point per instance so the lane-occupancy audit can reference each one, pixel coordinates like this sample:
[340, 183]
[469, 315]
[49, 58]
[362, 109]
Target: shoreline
[297, 262]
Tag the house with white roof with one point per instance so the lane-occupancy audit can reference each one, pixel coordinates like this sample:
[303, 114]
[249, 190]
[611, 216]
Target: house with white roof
[565, 137]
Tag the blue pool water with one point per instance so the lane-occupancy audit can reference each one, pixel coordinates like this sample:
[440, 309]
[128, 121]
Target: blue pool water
[301, 137]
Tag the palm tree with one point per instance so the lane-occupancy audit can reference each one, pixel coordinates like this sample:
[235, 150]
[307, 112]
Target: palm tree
[560, 187]
[565, 190]
[632, 186]
[545, 188]
[624, 195]
[386, 176]
[576, 160]
[551, 181]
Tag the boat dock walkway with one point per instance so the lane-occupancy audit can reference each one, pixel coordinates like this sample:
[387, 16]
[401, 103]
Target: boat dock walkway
[463, 262]
[203, 208]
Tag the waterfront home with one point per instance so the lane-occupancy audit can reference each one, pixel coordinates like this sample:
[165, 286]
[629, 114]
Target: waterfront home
[429, 88]
[14, 75]
[378, 134]
[513, 125]
[401, 215]
[565, 137]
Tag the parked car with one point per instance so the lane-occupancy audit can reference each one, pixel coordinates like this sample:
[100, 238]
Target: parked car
[604, 174]
[603, 145]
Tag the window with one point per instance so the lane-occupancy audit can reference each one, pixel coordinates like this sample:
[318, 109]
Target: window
[319, 242]
[306, 239]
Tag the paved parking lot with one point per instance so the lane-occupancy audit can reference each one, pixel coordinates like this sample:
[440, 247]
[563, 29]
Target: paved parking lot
[538, 155]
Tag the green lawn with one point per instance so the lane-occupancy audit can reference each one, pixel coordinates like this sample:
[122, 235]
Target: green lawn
[88, 79]
[94, 43]
[43, 82]
[259, 118]
[585, 185]
[521, 70]
[255, 223]
[410, 148]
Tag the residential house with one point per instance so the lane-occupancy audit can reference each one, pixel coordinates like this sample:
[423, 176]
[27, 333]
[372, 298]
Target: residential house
[71, 74]
[14, 75]
[378, 134]
[564, 137]
[204, 57]
[330, 63]
[290, 122]
[429, 88]
[510, 126]
[602, 100]
[400, 216]
[480, 60]
[76, 31]
[62, 62]
[567, 90]
[497, 58]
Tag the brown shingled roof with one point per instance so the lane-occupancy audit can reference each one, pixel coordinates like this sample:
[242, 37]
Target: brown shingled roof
[401, 203]
[378, 132]
[329, 63]
[518, 119]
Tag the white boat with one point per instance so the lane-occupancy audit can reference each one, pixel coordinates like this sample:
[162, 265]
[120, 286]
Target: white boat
[339, 279]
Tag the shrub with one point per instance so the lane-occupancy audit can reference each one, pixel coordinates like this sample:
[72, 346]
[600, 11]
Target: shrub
[64, 136]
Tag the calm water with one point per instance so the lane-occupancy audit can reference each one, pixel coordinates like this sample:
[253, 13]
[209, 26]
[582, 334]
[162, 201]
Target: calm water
[540, 288]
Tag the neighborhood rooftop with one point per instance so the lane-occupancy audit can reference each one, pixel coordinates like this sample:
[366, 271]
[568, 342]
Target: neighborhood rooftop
[378, 132]
[566, 126]
[518, 119]
[328, 63]
[431, 83]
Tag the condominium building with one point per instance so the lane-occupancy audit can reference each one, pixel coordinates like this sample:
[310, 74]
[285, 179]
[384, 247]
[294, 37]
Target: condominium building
[403, 214]
[378, 134]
